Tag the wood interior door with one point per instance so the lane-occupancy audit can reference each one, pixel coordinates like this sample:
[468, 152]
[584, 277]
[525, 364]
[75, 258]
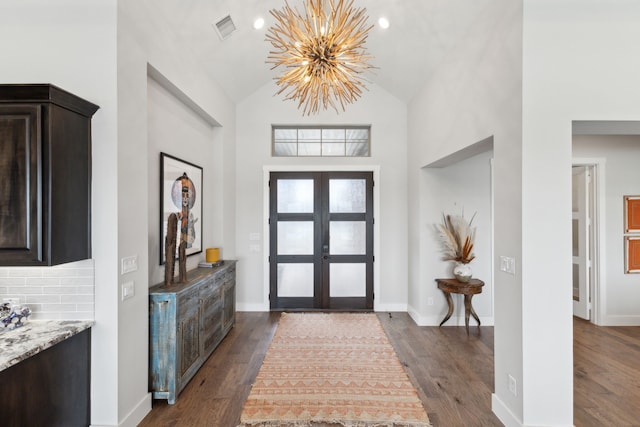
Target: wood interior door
[581, 242]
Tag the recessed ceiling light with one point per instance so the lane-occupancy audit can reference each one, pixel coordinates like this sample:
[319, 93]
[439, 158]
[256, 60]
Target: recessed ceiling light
[383, 22]
[258, 23]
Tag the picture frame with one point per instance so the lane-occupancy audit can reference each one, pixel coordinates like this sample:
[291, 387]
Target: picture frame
[171, 172]
[632, 254]
[631, 214]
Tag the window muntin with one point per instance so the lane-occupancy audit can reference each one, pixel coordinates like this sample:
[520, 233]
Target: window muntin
[321, 141]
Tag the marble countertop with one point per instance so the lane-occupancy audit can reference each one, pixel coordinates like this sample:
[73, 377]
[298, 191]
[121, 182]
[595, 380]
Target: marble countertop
[35, 336]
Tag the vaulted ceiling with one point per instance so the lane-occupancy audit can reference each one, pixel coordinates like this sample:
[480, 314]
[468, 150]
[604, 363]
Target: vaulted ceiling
[420, 35]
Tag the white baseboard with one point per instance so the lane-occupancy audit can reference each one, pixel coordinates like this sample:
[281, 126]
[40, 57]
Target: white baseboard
[252, 307]
[422, 320]
[425, 320]
[413, 313]
[431, 320]
[507, 417]
[390, 307]
[459, 321]
[503, 413]
[136, 415]
[615, 320]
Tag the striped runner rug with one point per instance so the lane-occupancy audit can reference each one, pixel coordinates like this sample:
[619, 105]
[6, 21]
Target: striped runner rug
[336, 369]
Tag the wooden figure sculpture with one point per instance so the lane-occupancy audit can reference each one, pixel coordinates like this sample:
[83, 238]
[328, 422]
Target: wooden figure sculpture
[170, 249]
[184, 227]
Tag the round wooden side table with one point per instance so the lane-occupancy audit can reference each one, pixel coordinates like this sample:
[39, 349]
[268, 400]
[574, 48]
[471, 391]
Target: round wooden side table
[468, 289]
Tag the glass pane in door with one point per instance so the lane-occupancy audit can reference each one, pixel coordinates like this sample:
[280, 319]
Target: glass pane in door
[347, 196]
[295, 238]
[295, 196]
[348, 237]
[295, 280]
[348, 280]
[575, 224]
[576, 282]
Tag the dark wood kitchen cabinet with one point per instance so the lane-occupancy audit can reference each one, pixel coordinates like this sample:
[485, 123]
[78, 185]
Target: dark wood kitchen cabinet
[51, 388]
[45, 175]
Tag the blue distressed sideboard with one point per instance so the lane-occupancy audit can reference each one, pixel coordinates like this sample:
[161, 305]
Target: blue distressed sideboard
[187, 321]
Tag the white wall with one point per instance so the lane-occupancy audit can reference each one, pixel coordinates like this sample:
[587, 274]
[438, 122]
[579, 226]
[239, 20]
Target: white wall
[578, 65]
[475, 95]
[177, 130]
[620, 291]
[72, 44]
[141, 48]
[387, 117]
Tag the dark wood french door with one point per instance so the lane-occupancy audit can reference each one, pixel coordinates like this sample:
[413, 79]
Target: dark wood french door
[321, 240]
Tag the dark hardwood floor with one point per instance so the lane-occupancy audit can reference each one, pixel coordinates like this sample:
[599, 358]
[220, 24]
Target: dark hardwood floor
[453, 371]
[453, 374]
[606, 375]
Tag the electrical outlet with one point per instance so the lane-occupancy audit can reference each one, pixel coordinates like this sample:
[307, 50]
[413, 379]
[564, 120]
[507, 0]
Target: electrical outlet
[12, 301]
[430, 301]
[128, 290]
[513, 385]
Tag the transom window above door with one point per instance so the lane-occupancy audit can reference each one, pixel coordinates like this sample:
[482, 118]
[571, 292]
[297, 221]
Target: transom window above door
[321, 141]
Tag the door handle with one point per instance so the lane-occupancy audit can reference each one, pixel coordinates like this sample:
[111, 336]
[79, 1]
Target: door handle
[325, 252]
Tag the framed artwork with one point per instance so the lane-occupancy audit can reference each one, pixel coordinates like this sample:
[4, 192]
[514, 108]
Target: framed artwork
[632, 254]
[632, 214]
[181, 193]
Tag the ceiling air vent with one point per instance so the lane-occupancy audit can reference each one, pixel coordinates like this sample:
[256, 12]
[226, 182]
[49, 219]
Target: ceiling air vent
[225, 27]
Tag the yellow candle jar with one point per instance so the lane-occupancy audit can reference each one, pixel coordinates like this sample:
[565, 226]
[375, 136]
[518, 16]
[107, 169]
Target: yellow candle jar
[212, 254]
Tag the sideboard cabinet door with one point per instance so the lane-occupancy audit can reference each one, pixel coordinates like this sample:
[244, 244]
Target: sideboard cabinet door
[45, 175]
[189, 331]
[211, 315]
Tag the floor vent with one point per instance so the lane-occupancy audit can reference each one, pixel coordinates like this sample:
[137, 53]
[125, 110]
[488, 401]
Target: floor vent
[225, 27]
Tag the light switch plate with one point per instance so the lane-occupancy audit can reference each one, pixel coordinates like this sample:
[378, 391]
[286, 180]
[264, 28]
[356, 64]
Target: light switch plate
[508, 265]
[129, 264]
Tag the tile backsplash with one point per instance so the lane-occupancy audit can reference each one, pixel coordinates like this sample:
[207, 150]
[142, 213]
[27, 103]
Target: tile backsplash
[62, 292]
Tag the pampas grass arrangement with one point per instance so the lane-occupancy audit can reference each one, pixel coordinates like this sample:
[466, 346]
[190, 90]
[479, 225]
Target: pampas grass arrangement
[457, 237]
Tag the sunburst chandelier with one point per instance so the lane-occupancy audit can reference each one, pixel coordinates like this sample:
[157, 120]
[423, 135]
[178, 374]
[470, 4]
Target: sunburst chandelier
[322, 53]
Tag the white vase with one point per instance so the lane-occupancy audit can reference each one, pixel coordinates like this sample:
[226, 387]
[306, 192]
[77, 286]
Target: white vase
[462, 272]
